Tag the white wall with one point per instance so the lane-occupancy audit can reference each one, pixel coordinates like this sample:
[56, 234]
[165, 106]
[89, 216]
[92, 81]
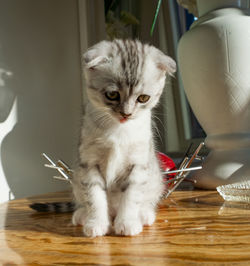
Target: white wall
[39, 45]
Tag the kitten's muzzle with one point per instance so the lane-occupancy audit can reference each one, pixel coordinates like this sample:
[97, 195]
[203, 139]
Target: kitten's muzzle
[125, 115]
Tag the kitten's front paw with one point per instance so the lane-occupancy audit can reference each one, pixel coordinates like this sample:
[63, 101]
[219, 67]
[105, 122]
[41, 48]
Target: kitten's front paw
[94, 228]
[79, 217]
[127, 227]
[148, 216]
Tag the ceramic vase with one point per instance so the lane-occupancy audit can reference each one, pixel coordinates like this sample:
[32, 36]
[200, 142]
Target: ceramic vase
[214, 62]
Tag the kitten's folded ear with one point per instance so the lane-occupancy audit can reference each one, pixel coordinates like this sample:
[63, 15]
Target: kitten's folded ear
[164, 62]
[96, 55]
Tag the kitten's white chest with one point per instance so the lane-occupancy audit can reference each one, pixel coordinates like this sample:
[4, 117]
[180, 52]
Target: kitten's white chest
[126, 148]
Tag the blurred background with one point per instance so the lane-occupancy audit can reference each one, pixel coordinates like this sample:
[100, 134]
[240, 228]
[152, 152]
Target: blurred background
[41, 83]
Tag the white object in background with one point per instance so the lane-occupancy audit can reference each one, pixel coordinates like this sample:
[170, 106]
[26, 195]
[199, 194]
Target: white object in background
[5, 128]
[214, 60]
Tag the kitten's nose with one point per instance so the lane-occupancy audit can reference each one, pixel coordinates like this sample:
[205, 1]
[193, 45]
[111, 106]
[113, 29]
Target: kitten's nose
[125, 115]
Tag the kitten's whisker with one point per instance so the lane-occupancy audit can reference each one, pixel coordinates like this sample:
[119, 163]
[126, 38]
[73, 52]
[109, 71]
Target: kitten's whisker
[100, 111]
[157, 132]
[159, 113]
[104, 120]
[158, 119]
[99, 116]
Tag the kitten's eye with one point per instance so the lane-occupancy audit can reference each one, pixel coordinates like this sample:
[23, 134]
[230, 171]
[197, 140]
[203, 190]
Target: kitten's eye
[113, 95]
[143, 98]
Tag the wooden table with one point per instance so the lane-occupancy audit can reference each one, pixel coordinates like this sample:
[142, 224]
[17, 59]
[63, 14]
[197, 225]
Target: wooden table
[192, 228]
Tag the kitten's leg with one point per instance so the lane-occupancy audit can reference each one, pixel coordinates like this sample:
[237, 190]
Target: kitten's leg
[153, 192]
[147, 214]
[128, 220]
[90, 195]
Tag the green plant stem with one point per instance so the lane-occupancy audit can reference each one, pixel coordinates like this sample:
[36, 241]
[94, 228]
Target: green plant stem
[155, 18]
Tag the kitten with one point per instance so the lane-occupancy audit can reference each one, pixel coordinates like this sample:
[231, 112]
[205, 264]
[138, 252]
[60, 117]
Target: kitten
[118, 182]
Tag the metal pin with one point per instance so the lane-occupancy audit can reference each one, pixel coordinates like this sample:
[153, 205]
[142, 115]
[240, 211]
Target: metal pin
[61, 178]
[182, 175]
[61, 167]
[53, 166]
[64, 166]
[199, 158]
[47, 157]
[183, 170]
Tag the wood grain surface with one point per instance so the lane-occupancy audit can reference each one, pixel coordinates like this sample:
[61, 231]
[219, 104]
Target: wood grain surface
[192, 228]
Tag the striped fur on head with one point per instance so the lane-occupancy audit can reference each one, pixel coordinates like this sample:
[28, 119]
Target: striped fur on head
[129, 68]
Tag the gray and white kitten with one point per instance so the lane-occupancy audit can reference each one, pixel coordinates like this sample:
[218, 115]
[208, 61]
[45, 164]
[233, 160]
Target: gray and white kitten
[119, 182]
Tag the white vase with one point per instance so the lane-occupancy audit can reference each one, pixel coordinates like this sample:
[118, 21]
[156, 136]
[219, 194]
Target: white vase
[214, 61]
